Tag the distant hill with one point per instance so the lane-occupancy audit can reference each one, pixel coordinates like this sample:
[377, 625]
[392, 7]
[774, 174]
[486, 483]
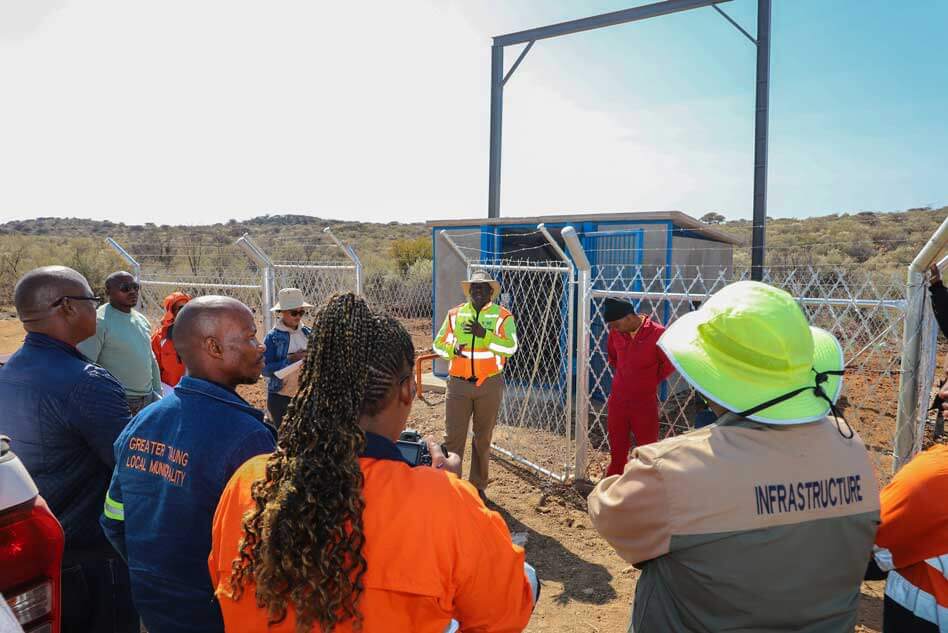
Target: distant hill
[869, 240]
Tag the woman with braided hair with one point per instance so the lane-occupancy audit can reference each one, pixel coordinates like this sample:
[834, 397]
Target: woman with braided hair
[336, 531]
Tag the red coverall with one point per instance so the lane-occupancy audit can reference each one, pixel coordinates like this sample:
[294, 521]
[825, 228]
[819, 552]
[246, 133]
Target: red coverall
[639, 366]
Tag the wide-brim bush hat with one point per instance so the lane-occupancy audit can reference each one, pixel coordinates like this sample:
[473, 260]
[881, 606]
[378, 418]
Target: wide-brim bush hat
[481, 277]
[750, 349]
[290, 299]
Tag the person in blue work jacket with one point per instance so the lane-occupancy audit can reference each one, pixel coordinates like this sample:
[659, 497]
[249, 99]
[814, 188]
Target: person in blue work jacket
[63, 412]
[173, 461]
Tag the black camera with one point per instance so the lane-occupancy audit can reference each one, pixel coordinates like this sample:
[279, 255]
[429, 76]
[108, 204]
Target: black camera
[414, 449]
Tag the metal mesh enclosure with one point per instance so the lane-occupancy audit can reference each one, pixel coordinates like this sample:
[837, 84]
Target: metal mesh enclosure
[864, 311]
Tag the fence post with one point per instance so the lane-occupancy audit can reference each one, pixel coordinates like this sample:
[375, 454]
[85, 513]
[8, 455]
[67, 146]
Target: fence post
[582, 349]
[915, 295]
[136, 267]
[569, 343]
[351, 254]
[266, 266]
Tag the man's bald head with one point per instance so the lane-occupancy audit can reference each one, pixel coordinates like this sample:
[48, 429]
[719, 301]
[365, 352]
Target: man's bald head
[216, 339]
[40, 288]
[37, 292]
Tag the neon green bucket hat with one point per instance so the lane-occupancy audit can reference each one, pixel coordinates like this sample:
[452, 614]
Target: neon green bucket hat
[750, 349]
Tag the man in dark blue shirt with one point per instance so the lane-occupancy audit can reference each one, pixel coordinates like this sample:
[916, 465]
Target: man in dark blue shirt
[173, 461]
[63, 413]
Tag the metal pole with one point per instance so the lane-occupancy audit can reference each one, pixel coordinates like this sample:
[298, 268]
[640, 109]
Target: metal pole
[582, 350]
[266, 267]
[136, 267]
[761, 121]
[351, 254]
[569, 343]
[905, 427]
[496, 125]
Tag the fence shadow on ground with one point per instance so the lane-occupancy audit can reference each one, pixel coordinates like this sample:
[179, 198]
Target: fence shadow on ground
[583, 581]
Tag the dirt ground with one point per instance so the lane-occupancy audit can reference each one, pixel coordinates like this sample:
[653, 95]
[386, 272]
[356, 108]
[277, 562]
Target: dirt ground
[586, 586]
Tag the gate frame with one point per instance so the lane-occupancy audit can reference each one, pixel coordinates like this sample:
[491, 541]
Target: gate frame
[906, 425]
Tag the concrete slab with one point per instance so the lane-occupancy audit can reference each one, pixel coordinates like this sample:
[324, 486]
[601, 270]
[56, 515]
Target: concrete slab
[432, 384]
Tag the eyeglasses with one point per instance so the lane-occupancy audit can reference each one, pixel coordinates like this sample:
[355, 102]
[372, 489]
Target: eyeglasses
[126, 287]
[295, 313]
[94, 299]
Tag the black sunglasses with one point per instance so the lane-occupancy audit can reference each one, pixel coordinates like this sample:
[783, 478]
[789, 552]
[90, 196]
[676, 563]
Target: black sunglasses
[295, 313]
[95, 299]
[127, 287]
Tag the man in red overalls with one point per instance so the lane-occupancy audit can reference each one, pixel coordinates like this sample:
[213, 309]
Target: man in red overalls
[638, 366]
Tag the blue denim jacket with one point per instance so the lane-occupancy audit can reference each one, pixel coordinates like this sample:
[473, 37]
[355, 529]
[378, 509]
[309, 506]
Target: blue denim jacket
[277, 343]
[62, 413]
[171, 465]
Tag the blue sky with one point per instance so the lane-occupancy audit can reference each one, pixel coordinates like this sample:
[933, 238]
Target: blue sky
[200, 112]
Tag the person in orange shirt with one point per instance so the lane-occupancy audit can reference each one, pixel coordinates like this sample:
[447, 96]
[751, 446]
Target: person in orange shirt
[337, 530]
[911, 550]
[169, 363]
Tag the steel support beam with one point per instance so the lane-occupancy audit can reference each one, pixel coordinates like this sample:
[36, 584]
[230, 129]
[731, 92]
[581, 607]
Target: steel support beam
[734, 24]
[516, 64]
[761, 125]
[496, 128]
[606, 19]
[498, 79]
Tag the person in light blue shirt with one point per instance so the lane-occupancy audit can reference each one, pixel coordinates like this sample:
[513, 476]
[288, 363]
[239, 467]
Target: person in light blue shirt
[122, 343]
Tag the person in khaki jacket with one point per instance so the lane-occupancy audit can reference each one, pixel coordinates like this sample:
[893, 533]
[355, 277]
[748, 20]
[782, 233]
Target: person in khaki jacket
[477, 338]
[763, 521]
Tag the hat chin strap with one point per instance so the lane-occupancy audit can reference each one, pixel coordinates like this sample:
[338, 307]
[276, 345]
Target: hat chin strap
[821, 377]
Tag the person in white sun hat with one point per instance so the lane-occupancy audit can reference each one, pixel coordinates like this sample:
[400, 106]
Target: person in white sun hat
[286, 345]
[762, 521]
[477, 338]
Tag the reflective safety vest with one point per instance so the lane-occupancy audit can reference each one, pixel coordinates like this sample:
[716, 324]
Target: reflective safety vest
[481, 357]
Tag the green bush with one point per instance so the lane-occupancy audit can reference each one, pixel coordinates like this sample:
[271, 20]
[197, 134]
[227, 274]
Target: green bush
[408, 251]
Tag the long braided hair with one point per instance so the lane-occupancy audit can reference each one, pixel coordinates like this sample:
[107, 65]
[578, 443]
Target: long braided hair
[302, 543]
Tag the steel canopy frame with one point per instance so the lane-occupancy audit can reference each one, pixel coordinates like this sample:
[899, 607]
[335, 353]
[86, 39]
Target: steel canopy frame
[761, 118]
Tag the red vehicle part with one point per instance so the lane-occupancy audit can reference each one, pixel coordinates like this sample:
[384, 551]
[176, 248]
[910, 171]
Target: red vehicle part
[31, 549]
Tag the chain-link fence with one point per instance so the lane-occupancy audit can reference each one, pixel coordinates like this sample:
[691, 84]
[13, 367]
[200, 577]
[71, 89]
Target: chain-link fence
[534, 423]
[864, 311]
[194, 266]
[406, 295]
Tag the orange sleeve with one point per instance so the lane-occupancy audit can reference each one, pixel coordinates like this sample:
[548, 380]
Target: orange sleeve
[914, 525]
[493, 593]
[156, 347]
[227, 526]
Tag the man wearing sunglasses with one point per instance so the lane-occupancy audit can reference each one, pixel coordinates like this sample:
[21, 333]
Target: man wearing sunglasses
[122, 343]
[63, 414]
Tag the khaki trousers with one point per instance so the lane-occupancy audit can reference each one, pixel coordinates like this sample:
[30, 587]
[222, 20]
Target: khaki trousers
[464, 400]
